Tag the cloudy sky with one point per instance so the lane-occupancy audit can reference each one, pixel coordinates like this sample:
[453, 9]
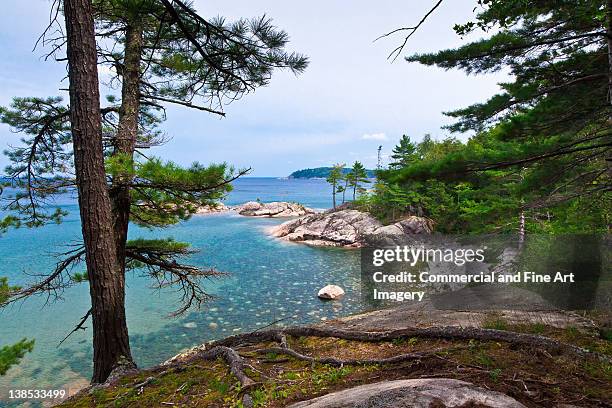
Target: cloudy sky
[349, 101]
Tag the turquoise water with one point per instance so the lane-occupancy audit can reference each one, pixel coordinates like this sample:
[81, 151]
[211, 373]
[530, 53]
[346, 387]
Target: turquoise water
[268, 281]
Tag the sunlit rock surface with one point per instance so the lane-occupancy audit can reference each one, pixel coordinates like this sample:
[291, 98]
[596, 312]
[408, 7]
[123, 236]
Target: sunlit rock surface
[414, 393]
[346, 228]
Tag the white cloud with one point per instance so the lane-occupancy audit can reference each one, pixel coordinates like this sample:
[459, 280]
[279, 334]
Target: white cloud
[374, 136]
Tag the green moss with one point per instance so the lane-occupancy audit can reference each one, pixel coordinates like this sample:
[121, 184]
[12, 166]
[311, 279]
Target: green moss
[495, 374]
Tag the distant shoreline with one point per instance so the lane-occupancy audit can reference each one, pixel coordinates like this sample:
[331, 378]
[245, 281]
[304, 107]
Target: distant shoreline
[322, 173]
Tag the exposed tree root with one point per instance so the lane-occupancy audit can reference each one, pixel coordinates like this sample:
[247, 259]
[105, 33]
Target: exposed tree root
[338, 363]
[226, 349]
[236, 366]
[444, 332]
[233, 360]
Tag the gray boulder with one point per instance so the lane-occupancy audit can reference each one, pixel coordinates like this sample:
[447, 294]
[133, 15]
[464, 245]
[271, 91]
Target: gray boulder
[415, 393]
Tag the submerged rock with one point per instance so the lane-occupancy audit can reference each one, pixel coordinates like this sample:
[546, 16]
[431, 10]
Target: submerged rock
[274, 209]
[415, 393]
[347, 228]
[331, 292]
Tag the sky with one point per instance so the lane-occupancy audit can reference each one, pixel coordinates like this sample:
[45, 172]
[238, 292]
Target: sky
[350, 99]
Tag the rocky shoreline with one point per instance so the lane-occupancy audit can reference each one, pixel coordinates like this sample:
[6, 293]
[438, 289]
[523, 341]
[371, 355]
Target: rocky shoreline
[341, 227]
[347, 228]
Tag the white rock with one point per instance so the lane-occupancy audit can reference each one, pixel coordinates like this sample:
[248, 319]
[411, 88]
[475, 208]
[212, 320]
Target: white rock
[331, 292]
[213, 326]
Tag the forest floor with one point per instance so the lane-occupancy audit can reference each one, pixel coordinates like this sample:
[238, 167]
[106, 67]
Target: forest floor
[542, 359]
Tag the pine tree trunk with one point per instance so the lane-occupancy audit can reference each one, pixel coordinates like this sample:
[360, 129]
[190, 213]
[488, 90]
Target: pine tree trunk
[110, 334]
[334, 194]
[609, 38]
[127, 133]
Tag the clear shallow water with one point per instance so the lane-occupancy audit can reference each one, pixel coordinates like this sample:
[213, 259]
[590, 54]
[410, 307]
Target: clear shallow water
[268, 280]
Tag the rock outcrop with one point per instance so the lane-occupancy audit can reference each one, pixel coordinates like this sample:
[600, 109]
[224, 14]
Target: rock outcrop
[274, 209]
[415, 393]
[346, 228]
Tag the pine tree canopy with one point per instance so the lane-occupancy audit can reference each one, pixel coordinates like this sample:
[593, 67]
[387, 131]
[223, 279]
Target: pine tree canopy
[12, 354]
[403, 153]
[548, 133]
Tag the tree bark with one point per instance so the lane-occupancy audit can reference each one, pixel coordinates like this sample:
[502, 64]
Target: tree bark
[334, 194]
[110, 333]
[127, 134]
[609, 39]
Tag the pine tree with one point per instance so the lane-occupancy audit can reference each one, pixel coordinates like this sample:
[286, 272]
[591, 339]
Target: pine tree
[334, 178]
[403, 153]
[105, 277]
[358, 176]
[162, 53]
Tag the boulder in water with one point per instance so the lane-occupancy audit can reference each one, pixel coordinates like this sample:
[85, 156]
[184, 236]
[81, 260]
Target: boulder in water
[331, 292]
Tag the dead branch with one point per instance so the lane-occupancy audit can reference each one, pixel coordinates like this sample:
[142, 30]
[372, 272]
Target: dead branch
[78, 327]
[187, 104]
[53, 282]
[398, 50]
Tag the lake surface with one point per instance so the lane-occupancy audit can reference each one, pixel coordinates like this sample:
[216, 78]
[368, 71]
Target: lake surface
[267, 281]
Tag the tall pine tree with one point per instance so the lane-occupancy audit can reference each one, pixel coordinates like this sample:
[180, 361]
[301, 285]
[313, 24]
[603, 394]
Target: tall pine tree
[403, 153]
[162, 52]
